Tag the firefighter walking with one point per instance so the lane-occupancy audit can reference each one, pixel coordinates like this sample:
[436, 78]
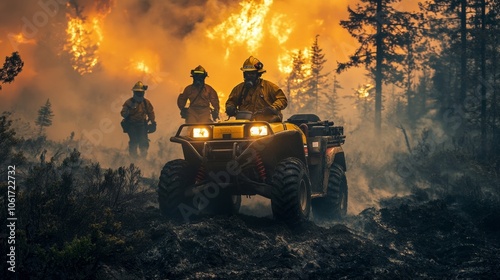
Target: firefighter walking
[201, 96]
[138, 120]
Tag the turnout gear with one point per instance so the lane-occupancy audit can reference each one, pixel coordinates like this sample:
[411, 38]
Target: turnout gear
[253, 64]
[201, 96]
[252, 71]
[199, 70]
[139, 89]
[261, 97]
[268, 111]
[137, 111]
[139, 86]
[199, 74]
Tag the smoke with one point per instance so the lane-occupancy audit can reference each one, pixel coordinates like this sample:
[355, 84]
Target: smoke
[167, 39]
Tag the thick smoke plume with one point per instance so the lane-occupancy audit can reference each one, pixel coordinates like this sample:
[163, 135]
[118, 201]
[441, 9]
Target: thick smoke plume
[159, 42]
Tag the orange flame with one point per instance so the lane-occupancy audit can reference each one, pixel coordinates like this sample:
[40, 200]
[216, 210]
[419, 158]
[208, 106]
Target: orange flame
[20, 39]
[245, 28]
[85, 35]
[364, 90]
[281, 28]
[285, 61]
[144, 62]
[142, 67]
[83, 41]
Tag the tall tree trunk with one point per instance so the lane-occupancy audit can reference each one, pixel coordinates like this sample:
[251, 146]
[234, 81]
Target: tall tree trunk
[483, 80]
[463, 58]
[423, 93]
[410, 109]
[290, 98]
[378, 70]
[495, 101]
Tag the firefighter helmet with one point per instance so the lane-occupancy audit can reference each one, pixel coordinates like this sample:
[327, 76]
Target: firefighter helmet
[253, 64]
[139, 86]
[199, 70]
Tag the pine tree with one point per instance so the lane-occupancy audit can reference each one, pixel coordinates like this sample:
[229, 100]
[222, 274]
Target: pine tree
[381, 31]
[333, 101]
[12, 66]
[317, 82]
[295, 83]
[45, 116]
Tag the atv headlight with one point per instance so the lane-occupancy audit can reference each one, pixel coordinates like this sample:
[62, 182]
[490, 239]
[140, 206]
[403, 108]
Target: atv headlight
[201, 132]
[259, 130]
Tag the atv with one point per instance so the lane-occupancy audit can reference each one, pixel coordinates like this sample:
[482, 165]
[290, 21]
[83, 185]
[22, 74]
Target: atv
[298, 164]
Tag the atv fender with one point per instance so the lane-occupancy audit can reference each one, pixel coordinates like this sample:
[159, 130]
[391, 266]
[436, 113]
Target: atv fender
[276, 147]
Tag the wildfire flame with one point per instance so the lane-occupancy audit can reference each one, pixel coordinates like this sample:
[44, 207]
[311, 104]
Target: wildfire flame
[364, 90]
[245, 28]
[85, 35]
[20, 39]
[144, 61]
[84, 38]
[281, 28]
[285, 61]
[142, 67]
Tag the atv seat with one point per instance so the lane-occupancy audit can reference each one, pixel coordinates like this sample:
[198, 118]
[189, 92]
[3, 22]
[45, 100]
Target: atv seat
[299, 119]
[302, 120]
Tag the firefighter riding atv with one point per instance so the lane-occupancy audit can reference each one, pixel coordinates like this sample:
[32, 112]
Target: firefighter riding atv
[298, 164]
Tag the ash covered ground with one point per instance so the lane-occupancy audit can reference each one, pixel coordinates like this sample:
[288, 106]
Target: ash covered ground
[411, 237]
[76, 220]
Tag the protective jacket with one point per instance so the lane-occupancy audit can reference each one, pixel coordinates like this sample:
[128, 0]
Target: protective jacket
[136, 112]
[200, 100]
[264, 94]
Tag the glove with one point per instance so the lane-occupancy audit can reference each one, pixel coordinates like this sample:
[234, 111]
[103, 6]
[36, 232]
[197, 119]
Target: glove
[230, 110]
[151, 127]
[215, 115]
[184, 113]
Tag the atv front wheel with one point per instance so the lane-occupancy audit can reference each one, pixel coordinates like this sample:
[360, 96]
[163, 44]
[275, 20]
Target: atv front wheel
[291, 201]
[175, 176]
[334, 204]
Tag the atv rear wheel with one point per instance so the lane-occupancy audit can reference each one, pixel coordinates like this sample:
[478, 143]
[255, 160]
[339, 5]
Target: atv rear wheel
[175, 176]
[291, 201]
[334, 204]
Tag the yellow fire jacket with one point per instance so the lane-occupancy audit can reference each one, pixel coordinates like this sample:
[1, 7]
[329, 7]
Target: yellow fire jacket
[264, 94]
[207, 96]
[138, 111]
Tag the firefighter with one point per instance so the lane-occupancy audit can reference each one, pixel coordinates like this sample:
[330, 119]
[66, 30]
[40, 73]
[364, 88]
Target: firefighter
[263, 98]
[200, 96]
[138, 120]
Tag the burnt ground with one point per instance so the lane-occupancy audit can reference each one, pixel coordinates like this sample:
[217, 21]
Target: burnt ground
[412, 237]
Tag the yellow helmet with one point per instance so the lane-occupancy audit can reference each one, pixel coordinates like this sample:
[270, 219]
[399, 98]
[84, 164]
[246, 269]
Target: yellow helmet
[139, 86]
[253, 64]
[199, 70]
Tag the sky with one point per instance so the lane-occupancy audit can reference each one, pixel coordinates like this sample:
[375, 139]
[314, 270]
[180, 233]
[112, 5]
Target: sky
[157, 42]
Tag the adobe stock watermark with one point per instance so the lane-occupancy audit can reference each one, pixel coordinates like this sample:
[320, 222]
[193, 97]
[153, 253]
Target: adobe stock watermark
[219, 181]
[39, 19]
[94, 137]
[453, 119]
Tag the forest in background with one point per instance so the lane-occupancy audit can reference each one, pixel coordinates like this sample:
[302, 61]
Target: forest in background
[438, 65]
[431, 115]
